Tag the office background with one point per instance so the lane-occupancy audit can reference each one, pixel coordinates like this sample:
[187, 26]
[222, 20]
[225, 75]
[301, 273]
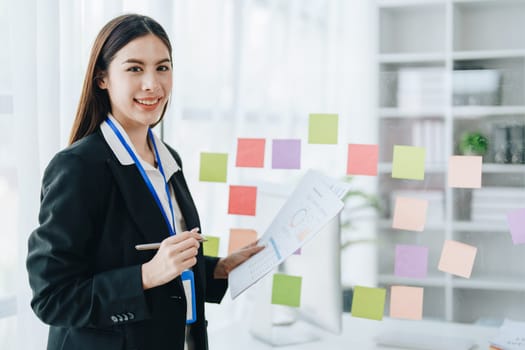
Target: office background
[258, 68]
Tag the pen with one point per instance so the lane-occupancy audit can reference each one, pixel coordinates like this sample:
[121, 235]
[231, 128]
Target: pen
[153, 246]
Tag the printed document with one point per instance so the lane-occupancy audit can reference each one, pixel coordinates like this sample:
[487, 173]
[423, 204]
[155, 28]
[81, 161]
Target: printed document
[315, 201]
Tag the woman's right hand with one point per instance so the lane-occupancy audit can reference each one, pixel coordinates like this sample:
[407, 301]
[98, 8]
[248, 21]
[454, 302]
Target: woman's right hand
[176, 254]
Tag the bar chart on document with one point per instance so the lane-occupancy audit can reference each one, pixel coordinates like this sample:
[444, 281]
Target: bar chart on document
[314, 202]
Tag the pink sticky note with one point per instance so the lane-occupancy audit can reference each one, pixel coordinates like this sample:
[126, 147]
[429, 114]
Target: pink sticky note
[406, 302]
[464, 171]
[250, 153]
[286, 154]
[362, 159]
[457, 258]
[411, 261]
[410, 214]
[516, 219]
[240, 238]
[242, 200]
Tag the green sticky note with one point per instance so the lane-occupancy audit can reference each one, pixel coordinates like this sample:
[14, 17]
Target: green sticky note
[408, 163]
[213, 167]
[368, 302]
[323, 128]
[211, 246]
[286, 290]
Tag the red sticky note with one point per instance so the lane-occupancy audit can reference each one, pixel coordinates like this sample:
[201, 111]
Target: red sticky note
[362, 159]
[250, 153]
[240, 238]
[242, 200]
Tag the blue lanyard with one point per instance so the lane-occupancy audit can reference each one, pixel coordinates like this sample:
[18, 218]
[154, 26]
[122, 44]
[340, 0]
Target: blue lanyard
[171, 225]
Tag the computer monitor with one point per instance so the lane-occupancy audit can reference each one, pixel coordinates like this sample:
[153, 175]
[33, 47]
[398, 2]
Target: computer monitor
[318, 264]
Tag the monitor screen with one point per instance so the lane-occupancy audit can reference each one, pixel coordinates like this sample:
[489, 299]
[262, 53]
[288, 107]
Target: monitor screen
[318, 264]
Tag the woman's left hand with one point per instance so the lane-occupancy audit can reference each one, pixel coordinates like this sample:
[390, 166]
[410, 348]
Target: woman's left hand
[227, 264]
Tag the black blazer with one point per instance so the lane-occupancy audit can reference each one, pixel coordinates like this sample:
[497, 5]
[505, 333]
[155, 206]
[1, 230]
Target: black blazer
[83, 267]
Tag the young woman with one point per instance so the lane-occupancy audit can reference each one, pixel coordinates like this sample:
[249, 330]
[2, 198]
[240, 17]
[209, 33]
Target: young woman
[117, 186]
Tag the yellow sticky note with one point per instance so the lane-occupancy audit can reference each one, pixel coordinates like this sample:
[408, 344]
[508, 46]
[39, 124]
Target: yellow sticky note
[408, 163]
[286, 290]
[213, 167]
[410, 214]
[464, 171]
[323, 128]
[406, 302]
[457, 258]
[211, 246]
[240, 238]
[368, 302]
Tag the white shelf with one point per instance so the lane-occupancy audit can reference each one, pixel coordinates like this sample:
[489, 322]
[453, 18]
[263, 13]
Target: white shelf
[483, 111]
[488, 54]
[451, 35]
[471, 226]
[385, 168]
[386, 224]
[433, 281]
[421, 57]
[504, 168]
[405, 3]
[400, 113]
[490, 283]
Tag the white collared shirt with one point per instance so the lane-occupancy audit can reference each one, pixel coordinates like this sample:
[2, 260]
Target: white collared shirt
[169, 166]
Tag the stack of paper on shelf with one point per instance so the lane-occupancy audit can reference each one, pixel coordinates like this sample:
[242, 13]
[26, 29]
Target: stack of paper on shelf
[429, 134]
[494, 203]
[421, 88]
[511, 336]
[436, 203]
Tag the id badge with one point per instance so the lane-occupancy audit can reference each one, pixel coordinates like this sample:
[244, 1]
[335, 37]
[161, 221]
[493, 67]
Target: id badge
[188, 282]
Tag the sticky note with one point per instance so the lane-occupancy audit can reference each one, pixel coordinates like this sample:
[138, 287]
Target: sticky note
[368, 303]
[464, 171]
[323, 128]
[242, 200]
[457, 258]
[286, 154]
[516, 220]
[410, 214]
[406, 302]
[211, 246]
[240, 238]
[286, 290]
[411, 261]
[213, 167]
[408, 163]
[362, 159]
[250, 153]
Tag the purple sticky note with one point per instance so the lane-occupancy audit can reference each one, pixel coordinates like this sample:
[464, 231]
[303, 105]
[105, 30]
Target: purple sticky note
[411, 261]
[516, 219]
[286, 154]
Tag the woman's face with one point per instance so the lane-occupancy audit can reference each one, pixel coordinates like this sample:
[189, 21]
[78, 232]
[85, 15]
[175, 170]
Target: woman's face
[139, 81]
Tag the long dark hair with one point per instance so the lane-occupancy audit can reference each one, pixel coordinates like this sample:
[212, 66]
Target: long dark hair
[94, 105]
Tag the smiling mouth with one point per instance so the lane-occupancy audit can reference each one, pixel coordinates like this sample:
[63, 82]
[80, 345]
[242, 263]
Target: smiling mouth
[148, 102]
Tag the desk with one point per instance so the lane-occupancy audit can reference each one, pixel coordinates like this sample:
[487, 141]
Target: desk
[357, 334]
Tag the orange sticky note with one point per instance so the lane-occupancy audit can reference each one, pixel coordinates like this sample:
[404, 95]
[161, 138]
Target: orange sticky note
[250, 153]
[464, 171]
[362, 159]
[242, 200]
[410, 214]
[406, 302]
[457, 258]
[240, 238]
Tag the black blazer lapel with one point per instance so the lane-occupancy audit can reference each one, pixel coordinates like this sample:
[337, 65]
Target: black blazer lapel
[140, 203]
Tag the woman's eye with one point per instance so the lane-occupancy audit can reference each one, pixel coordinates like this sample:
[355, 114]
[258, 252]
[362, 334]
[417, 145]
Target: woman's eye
[134, 69]
[163, 68]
